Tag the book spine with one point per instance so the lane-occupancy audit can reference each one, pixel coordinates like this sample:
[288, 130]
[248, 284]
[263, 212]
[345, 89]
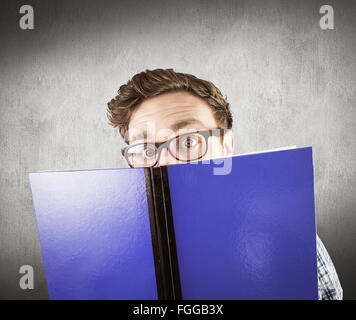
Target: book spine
[162, 234]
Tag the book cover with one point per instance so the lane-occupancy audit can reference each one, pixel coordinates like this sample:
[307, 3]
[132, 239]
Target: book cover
[181, 231]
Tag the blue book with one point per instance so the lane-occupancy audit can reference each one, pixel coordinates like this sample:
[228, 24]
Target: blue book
[244, 229]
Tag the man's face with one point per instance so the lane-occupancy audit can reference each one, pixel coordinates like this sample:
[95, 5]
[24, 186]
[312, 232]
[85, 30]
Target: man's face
[171, 114]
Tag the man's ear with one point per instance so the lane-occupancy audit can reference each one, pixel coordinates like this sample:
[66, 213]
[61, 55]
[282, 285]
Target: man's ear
[228, 143]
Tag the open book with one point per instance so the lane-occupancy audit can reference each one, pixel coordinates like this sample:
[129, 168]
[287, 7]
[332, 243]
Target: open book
[182, 231]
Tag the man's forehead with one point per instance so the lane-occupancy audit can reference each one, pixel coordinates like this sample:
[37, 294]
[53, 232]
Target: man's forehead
[163, 115]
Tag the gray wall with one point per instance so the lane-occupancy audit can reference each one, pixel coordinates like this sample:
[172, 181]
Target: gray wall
[288, 82]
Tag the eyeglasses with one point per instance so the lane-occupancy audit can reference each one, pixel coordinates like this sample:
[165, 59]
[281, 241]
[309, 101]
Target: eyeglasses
[185, 147]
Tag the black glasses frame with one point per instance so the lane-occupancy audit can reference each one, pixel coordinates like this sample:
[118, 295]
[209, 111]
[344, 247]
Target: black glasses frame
[165, 144]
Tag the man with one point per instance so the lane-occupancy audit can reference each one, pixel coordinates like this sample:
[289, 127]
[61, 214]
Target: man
[168, 117]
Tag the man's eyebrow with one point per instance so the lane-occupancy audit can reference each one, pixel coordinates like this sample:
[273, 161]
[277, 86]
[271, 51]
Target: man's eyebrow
[184, 123]
[174, 127]
[140, 135]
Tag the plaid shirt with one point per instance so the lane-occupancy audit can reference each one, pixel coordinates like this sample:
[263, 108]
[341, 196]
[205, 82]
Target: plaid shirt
[328, 281]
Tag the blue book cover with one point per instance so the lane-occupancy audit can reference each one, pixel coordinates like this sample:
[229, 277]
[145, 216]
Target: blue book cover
[95, 234]
[248, 233]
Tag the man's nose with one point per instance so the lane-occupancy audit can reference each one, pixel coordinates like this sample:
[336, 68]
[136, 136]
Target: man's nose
[166, 158]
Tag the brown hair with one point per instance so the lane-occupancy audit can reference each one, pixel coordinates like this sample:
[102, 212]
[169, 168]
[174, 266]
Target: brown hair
[151, 83]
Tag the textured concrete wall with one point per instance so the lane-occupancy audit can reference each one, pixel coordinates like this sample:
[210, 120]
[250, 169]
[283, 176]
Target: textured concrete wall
[288, 82]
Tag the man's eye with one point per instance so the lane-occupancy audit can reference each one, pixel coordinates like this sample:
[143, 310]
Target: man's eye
[149, 153]
[189, 142]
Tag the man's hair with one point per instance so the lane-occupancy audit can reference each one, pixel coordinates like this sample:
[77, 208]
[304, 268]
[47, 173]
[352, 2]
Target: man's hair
[151, 83]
